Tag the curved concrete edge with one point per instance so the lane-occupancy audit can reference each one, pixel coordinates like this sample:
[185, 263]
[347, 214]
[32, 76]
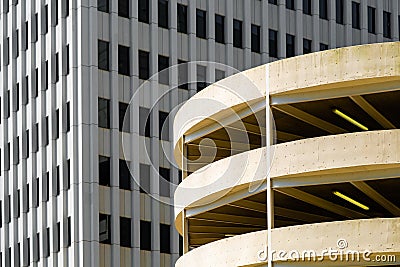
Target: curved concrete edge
[355, 64]
[332, 69]
[372, 236]
[344, 153]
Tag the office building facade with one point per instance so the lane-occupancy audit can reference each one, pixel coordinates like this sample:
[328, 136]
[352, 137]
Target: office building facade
[68, 72]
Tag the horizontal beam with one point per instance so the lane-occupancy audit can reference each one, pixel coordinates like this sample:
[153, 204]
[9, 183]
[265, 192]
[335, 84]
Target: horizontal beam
[299, 215]
[250, 205]
[381, 200]
[368, 108]
[225, 121]
[322, 203]
[228, 218]
[310, 119]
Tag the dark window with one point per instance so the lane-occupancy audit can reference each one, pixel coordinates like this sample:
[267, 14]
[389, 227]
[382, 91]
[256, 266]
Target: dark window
[237, 33]
[163, 125]
[28, 251]
[144, 173]
[68, 237]
[144, 69]
[65, 54]
[104, 170]
[6, 51]
[125, 232]
[201, 23]
[7, 157]
[67, 174]
[36, 246]
[8, 218]
[201, 78]
[163, 14]
[56, 179]
[45, 186]
[16, 150]
[355, 15]
[307, 7]
[104, 229]
[163, 64]
[104, 113]
[25, 90]
[290, 4]
[123, 60]
[306, 46]
[67, 117]
[274, 2]
[255, 38]
[323, 9]
[183, 74]
[35, 82]
[16, 44]
[16, 97]
[124, 123]
[57, 68]
[66, 8]
[36, 198]
[144, 122]
[45, 15]
[164, 181]
[143, 6]
[35, 31]
[103, 5]
[54, 13]
[57, 237]
[273, 43]
[323, 47]
[145, 235]
[339, 11]
[371, 20]
[46, 242]
[182, 18]
[56, 124]
[123, 8]
[124, 175]
[25, 144]
[290, 43]
[18, 203]
[45, 73]
[103, 55]
[7, 104]
[219, 29]
[35, 137]
[45, 131]
[165, 234]
[25, 32]
[387, 28]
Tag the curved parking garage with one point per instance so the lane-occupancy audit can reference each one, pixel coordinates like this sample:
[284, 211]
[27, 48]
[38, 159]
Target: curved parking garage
[331, 152]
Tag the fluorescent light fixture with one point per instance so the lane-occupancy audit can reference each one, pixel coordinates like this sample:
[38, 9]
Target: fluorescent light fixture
[229, 235]
[349, 199]
[349, 119]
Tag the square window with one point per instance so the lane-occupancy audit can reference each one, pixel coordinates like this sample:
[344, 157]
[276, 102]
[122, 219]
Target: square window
[163, 14]
[371, 20]
[104, 113]
[125, 232]
[307, 7]
[123, 8]
[163, 65]
[123, 60]
[237, 33]
[182, 18]
[103, 5]
[355, 16]
[273, 43]
[219, 29]
[163, 125]
[255, 38]
[124, 175]
[339, 11]
[165, 236]
[164, 182]
[290, 4]
[104, 170]
[306, 46]
[144, 178]
[201, 23]
[144, 122]
[387, 28]
[144, 68]
[124, 117]
[145, 235]
[104, 228]
[143, 6]
[103, 55]
[290, 44]
[323, 9]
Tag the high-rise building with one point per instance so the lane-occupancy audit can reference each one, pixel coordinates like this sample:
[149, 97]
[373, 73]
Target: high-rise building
[68, 71]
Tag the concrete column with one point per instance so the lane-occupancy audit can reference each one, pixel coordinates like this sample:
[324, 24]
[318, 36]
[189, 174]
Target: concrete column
[316, 22]
[210, 73]
[246, 34]
[299, 28]
[192, 52]
[364, 21]
[332, 23]
[282, 29]
[229, 35]
[264, 32]
[395, 21]
[379, 21]
[348, 28]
